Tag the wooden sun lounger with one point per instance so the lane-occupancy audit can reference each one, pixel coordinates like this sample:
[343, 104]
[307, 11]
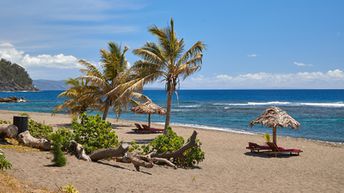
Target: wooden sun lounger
[155, 130]
[257, 148]
[145, 129]
[139, 129]
[280, 150]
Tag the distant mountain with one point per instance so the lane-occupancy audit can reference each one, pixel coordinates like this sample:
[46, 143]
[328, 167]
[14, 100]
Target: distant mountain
[13, 77]
[50, 84]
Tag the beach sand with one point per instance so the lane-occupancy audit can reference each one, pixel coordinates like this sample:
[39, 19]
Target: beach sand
[228, 167]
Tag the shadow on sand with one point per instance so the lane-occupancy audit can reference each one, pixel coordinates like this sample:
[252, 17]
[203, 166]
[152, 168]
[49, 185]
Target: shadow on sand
[269, 155]
[120, 167]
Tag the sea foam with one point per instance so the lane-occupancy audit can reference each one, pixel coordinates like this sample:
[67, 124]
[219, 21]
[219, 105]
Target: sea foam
[284, 103]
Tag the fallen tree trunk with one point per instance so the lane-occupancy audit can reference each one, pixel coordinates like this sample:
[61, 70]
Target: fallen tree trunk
[79, 151]
[28, 140]
[178, 153]
[120, 153]
[109, 152]
[10, 131]
[137, 162]
[156, 160]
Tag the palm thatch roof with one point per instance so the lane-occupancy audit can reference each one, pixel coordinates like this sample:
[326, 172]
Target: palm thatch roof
[148, 108]
[274, 117]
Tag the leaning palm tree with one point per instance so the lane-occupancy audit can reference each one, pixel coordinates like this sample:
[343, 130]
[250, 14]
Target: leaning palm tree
[116, 84]
[79, 97]
[167, 60]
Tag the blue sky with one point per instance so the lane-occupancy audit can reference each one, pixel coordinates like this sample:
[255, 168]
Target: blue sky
[250, 43]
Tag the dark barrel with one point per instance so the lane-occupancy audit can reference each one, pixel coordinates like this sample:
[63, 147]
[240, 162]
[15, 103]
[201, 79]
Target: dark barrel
[21, 122]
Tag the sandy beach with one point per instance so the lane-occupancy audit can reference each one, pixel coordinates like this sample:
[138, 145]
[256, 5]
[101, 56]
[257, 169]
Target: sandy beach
[228, 167]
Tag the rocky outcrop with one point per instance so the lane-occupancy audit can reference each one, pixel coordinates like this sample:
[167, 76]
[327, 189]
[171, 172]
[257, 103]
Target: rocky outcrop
[12, 100]
[13, 77]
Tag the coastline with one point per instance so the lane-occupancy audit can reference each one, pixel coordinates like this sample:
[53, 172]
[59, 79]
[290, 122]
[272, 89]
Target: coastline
[228, 166]
[198, 127]
[192, 126]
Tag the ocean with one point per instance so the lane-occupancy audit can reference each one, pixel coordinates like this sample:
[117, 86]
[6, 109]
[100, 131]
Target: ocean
[320, 112]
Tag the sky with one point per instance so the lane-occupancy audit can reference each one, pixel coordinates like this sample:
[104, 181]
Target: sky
[250, 43]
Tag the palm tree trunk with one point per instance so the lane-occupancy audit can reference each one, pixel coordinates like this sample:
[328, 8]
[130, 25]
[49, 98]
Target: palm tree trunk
[168, 105]
[106, 109]
[274, 135]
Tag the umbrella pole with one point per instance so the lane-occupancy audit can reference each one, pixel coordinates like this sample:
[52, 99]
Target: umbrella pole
[274, 135]
[149, 120]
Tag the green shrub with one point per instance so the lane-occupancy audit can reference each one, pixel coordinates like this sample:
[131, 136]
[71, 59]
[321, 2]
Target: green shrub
[39, 130]
[69, 188]
[134, 147]
[168, 142]
[267, 137]
[59, 157]
[192, 156]
[4, 163]
[5, 122]
[24, 114]
[66, 136]
[94, 133]
[171, 142]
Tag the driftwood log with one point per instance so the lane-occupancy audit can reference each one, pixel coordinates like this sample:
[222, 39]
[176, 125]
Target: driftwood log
[137, 161]
[109, 152]
[157, 160]
[28, 140]
[25, 138]
[10, 131]
[79, 151]
[122, 155]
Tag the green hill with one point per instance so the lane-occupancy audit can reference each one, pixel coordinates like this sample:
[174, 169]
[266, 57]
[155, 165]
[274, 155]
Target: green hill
[14, 77]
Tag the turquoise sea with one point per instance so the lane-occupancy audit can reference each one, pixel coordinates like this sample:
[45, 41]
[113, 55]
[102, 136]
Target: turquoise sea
[320, 112]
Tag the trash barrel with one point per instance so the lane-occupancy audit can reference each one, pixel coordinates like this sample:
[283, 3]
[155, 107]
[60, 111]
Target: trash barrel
[21, 122]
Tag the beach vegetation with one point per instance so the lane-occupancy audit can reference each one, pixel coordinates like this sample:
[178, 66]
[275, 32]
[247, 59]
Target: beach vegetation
[267, 137]
[166, 143]
[134, 147]
[4, 163]
[69, 188]
[5, 122]
[115, 83]
[168, 60]
[94, 133]
[59, 157]
[66, 136]
[39, 130]
[24, 114]
[170, 142]
[79, 97]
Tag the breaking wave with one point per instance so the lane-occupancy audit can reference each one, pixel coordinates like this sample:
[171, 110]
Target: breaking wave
[284, 103]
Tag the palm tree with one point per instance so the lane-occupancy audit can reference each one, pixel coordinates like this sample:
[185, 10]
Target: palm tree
[116, 84]
[79, 97]
[167, 60]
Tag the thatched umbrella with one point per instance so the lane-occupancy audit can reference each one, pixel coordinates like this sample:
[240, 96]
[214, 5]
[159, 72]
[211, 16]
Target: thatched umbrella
[274, 117]
[149, 108]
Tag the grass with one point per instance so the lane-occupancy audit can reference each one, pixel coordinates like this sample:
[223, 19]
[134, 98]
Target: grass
[10, 184]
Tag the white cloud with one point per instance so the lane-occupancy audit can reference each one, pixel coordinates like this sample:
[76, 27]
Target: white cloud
[301, 64]
[252, 55]
[9, 52]
[336, 73]
[263, 80]
[224, 77]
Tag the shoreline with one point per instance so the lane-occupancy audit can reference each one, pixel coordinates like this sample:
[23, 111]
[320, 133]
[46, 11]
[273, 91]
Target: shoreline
[198, 127]
[218, 129]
